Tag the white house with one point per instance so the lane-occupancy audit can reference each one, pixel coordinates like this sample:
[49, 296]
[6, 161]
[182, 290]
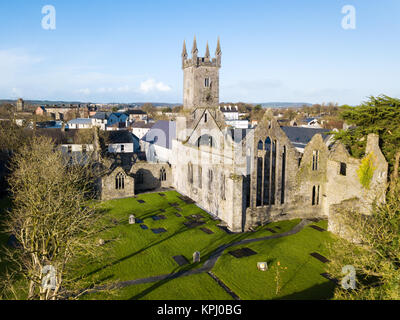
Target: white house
[140, 128]
[81, 123]
[122, 142]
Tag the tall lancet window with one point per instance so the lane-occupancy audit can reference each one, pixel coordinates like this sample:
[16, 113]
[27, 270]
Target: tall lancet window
[120, 181]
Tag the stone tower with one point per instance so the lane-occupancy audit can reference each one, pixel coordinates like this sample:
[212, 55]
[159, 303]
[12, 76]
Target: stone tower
[20, 105]
[201, 78]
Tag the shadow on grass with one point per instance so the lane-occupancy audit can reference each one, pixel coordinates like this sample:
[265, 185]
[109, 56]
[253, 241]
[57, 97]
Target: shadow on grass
[174, 275]
[324, 291]
[155, 243]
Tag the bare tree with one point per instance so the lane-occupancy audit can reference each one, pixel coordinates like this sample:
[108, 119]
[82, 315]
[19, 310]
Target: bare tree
[52, 219]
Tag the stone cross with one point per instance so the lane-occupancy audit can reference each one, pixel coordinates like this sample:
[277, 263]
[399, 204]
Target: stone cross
[132, 219]
[196, 257]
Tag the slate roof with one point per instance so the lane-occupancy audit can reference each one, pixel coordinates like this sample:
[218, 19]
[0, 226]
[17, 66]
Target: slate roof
[227, 110]
[81, 121]
[118, 114]
[120, 136]
[300, 136]
[137, 111]
[101, 115]
[161, 134]
[63, 137]
[142, 124]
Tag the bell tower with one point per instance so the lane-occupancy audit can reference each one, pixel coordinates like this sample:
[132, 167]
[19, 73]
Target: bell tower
[201, 78]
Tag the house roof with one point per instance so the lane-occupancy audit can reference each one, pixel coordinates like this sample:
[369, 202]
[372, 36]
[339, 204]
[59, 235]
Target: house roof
[301, 136]
[161, 134]
[121, 136]
[101, 115]
[72, 136]
[136, 111]
[81, 121]
[118, 114]
[142, 124]
[226, 110]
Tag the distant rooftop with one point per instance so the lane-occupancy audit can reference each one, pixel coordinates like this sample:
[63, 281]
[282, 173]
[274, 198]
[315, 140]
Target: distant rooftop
[161, 134]
[301, 136]
[142, 124]
[80, 121]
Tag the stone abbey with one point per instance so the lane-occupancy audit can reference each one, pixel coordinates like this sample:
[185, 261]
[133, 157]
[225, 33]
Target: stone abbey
[249, 177]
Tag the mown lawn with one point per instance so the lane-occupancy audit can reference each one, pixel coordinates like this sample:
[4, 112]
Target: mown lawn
[138, 253]
[194, 287]
[299, 273]
[134, 253]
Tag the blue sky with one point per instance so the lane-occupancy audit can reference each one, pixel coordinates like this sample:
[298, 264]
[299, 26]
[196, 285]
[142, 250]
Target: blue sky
[129, 51]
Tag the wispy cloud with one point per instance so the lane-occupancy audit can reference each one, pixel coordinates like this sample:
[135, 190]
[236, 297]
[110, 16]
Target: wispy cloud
[152, 85]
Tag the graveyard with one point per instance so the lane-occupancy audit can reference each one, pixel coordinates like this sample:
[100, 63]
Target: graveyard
[165, 247]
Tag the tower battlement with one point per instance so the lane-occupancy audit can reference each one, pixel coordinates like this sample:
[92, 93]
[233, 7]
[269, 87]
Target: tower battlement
[197, 61]
[201, 77]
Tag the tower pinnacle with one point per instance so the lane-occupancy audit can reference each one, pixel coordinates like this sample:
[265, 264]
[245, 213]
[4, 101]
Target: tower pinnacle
[207, 52]
[195, 50]
[218, 52]
[184, 51]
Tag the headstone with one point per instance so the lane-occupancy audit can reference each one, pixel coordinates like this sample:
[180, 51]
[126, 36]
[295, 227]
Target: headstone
[262, 266]
[196, 257]
[132, 219]
[101, 242]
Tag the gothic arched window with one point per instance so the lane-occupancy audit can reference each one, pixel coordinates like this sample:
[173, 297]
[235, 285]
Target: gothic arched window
[120, 181]
[163, 174]
[205, 140]
[139, 177]
[315, 160]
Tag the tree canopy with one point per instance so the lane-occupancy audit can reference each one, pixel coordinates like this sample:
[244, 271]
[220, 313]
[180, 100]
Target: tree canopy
[378, 115]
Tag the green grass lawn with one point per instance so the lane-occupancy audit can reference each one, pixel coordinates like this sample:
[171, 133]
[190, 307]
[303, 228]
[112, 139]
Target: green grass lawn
[140, 253]
[135, 253]
[194, 287]
[299, 273]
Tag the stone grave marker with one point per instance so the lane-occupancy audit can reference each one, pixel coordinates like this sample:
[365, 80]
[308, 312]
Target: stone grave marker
[262, 266]
[196, 257]
[132, 219]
